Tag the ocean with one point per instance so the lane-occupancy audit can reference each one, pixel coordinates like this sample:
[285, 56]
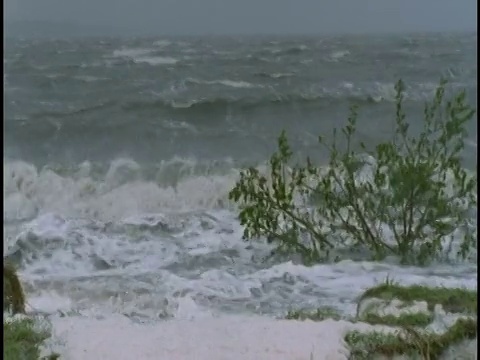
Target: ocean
[120, 153]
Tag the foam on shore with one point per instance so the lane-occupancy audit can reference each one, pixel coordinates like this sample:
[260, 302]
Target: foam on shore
[230, 337]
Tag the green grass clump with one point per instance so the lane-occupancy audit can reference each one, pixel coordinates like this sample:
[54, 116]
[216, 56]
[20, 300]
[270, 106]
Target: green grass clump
[413, 319]
[455, 300]
[320, 314]
[365, 346]
[409, 342]
[21, 340]
[314, 315]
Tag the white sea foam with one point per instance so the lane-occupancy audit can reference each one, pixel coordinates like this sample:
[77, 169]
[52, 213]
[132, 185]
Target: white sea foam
[236, 84]
[156, 60]
[162, 43]
[143, 55]
[131, 52]
[89, 78]
[224, 82]
[189, 51]
[179, 125]
[152, 265]
[281, 75]
[338, 55]
[116, 246]
[232, 337]
[120, 194]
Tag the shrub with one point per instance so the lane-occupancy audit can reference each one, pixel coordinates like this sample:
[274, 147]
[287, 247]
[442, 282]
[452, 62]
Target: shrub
[406, 197]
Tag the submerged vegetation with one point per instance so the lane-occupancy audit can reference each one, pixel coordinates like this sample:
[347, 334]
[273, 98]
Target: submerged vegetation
[409, 196]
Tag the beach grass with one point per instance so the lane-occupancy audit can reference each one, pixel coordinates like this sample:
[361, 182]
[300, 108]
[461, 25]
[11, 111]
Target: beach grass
[409, 337]
[21, 339]
[314, 315]
[455, 300]
[409, 342]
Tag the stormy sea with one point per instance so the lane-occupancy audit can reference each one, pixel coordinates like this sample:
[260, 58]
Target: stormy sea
[120, 154]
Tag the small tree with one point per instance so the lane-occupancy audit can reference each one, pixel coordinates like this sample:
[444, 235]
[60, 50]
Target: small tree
[404, 197]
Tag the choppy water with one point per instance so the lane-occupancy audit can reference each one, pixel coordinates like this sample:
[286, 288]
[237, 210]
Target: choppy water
[120, 154]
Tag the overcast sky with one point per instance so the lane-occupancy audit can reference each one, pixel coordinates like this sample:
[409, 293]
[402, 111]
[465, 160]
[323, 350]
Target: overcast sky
[254, 16]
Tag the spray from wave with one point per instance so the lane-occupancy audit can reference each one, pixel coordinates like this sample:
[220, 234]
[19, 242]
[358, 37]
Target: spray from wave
[121, 190]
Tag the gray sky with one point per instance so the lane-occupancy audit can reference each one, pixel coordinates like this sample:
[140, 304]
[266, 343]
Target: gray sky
[254, 16]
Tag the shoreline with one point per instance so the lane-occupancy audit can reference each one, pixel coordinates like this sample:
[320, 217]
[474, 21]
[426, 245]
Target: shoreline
[228, 337]
[392, 321]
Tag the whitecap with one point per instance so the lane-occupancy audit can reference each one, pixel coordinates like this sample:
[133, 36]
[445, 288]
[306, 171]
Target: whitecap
[161, 43]
[156, 60]
[131, 53]
[224, 82]
[89, 78]
[338, 55]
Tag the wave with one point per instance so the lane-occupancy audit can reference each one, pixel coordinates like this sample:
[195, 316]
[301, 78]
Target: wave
[162, 43]
[274, 75]
[80, 212]
[272, 99]
[89, 78]
[143, 55]
[338, 55]
[289, 50]
[188, 99]
[296, 49]
[131, 53]
[225, 82]
[65, 114]
[123, 188]
[156, 60]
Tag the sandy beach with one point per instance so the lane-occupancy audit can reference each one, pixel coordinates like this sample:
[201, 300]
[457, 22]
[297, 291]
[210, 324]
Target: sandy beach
[208, 338]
